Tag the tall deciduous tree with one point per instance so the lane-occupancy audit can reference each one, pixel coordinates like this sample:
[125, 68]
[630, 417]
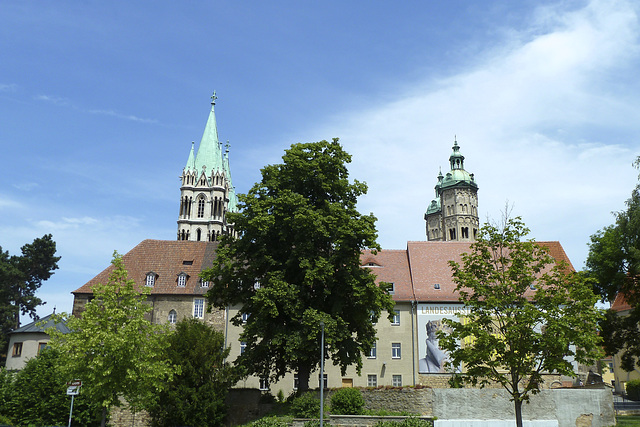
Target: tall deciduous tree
[113, 348]
[527, 316]
[20, 277]
[195, 396]
[614, 262]
[296, 263]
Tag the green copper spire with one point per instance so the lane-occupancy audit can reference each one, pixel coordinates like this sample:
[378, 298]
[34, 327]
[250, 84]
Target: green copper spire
[233, 198]
[209, 154]
[191, 161]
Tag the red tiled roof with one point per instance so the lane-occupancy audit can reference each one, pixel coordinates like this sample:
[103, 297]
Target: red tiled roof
[620, 303]
[392, 266]
[167, 259]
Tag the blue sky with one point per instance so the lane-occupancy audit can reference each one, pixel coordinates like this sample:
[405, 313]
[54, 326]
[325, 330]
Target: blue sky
[99, 103]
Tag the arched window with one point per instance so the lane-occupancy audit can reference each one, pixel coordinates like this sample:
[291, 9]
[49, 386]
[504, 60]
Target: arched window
[173, 317]
[200, 207]
[198, 234]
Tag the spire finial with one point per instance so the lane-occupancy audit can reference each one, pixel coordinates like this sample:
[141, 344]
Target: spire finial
[213, 98]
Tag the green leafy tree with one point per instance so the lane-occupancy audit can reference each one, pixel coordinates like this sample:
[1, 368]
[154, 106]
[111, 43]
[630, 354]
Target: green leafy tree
[614, 263]
[40, 398]
[527, 316]
[20, 277]
[296, 262]
[195, 396]
[113, 348]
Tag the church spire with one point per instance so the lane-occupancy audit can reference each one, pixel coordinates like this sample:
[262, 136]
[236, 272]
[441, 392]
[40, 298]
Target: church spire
[191, 161]
[209, 155]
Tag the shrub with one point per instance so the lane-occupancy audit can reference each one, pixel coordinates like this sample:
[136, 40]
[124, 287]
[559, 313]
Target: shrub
[306, 405]
[408, 422]
[347, 401]
[633, 389]
[269, 422]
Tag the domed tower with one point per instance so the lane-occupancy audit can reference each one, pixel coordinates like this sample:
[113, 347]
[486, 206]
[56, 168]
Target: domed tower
[206, 191]
[453, 214]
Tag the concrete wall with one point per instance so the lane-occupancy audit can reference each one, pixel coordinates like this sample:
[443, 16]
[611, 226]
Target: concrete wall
[30, 343]
[571, 407]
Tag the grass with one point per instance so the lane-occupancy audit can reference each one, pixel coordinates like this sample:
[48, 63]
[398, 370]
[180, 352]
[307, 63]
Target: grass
[628, 420]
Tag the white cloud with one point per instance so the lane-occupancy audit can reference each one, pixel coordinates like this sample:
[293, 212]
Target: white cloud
[62, 102]
[532, 117]
[8, 87]
[122, 116]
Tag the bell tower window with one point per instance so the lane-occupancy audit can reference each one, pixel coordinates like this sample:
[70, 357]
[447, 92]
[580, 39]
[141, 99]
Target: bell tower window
[201, 207]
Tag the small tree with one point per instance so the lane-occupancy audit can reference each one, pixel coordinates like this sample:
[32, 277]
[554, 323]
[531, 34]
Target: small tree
[296, 263]
[113, 348]
[196, 395]
[527, 316]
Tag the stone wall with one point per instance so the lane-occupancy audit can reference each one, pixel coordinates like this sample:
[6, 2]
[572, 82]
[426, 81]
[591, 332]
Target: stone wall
[411, 400]
[124, 417]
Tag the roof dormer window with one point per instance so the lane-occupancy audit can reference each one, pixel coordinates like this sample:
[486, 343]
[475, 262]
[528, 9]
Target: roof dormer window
[182, 280]
[436, 286]
[151, 279]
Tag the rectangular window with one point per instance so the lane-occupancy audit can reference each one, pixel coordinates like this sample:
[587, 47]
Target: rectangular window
[296, 381]
[372, 380]
[324, 382]
[245, 317]
[204, 283]
[373, 351]
[17, 349]
[395, 350]
[151, 279]
[198, 308]
[41, 346]
[396, 319]
[264, 383]
[396, 380]
[392, 289]
[243, 347]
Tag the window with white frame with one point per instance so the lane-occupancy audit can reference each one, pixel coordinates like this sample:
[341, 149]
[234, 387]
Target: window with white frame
[372, 380]
[392, 288]
[151, 279]
[245, 317]
[396, 380]
[204, 283]
[243, 346]
[182, 280]
[296, 381]
[395, 350]
[264, 383]
[373, 351]
[396, 319]
[198, 308]
[173, 317]
[325, 382]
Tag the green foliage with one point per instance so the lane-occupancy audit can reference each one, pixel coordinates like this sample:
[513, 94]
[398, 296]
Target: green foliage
[196, 395]
[20, 278]
[513, 333]
[407, 422]
[113, 348]
[306, 405]
[7, 379]
[633, 389]
[312, 423]
[614, 263]
[300, 240]
[347, 401]
[280, 396]
[269, 422]
[39, 395]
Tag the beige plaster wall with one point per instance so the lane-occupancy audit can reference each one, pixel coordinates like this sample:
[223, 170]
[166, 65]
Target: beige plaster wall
[30, 342]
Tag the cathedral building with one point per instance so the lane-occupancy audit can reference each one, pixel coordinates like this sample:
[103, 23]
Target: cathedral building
[406, 352]
[453, 214]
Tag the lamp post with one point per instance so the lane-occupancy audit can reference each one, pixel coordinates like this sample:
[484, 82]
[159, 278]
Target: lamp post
[322, 374]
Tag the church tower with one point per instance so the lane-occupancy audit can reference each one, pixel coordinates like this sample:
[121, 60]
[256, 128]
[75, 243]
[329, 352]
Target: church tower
[206, 191]
[453, 214]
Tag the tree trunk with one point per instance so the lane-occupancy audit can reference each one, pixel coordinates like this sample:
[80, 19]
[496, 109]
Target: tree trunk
[518, 404]
[103, 422]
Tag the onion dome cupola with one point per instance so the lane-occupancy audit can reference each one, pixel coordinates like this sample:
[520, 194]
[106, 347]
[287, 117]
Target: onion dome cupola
[453, 214]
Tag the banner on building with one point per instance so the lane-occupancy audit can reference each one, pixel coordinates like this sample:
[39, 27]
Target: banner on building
[431, 358]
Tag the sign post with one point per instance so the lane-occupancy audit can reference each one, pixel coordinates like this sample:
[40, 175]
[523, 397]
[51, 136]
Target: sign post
[73, 388]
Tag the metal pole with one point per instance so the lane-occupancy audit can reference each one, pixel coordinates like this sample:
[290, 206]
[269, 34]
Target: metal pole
[322, 375]
[71, 411]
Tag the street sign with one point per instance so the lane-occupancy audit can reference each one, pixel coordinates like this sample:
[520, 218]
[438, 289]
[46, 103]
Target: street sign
[77, 383]
[73, 390]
